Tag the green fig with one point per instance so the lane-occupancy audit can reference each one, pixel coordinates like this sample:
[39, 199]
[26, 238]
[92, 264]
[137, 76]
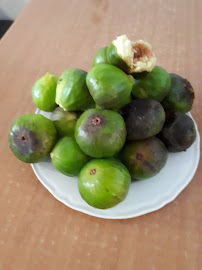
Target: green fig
[97, 107]
[64, 122]
[67, 157]
[44, 92]
[32, 137]
[154, 84]
[179, 131]
[109, 86]
[72, 93]
[181, 95]
[100, 133]
[103, 183]
[144, 158]
[143, 117]
[131, 56]
[100, 57]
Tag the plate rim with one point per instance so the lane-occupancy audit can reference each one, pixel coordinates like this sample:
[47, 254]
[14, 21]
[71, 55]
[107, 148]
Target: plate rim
[156, 204]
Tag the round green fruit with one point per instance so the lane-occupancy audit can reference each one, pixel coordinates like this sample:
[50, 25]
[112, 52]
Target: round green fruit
[154, 84]
[100, 133]
[64, 122]
[103, 183]
[67, 157]
[72, 93]
[109, 86]
[32, 137]
[181, 95]
[100, 57]
[179, 131]
[144, 158]
[44, 92]
[143, 117]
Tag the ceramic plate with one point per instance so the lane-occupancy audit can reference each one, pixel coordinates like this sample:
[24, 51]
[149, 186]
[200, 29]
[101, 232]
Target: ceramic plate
[144, 196]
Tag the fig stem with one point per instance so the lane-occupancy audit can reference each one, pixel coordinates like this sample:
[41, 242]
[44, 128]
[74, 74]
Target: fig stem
[139, 156]
[96, 121]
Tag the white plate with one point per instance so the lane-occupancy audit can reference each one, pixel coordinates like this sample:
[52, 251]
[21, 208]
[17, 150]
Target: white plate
[144, 196]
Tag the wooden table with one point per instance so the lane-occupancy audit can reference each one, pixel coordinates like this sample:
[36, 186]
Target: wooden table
[37, 231]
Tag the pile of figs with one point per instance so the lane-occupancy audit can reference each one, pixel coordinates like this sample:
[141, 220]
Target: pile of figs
[108, 126]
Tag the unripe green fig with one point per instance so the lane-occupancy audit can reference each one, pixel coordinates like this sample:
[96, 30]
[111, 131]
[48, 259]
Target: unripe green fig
[44, 92]
[64, 122]
[154, 84]
[100, 133]
[100, 57]
[109, 86]
[103, 183]
[67, 157]
[72, 93]
[181, 95]
[32, 137]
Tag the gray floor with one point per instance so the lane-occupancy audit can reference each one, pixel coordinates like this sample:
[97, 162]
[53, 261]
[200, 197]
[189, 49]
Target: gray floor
[9, 11]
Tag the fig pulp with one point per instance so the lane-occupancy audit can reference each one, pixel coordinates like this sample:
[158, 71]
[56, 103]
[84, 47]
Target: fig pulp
[103, 183]
[44, 92]
[154, 84]
[100, 57]
[72, 93]
[64, 122]
[100, 133]
[181, 95]
[179, 131]
[109, 86]
[32, 137]
[131, 56]
[144, 158]
[67, 157]
[143, 117]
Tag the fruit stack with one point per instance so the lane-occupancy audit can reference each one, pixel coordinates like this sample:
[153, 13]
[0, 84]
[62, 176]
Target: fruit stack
[113, 124]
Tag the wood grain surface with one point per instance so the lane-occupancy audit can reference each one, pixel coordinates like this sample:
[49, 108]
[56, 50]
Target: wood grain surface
[37, 231]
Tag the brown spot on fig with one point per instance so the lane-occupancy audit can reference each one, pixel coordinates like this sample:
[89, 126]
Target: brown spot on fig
[94, 121]
[140, 50]
[25, 140]
[93, 172]
[149, 166]
[139, 156]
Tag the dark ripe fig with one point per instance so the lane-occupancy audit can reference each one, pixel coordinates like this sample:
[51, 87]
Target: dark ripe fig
[67, 157]
[100, 133]
[44, 92]
[154, 84]
[131, 56]
[103, 183]
[179, 131]
[109, 86]
[100, 57]
[181, 95]
[32, 137]
[72, 93]
[64, 122]
[144, 158]
[143, 117]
